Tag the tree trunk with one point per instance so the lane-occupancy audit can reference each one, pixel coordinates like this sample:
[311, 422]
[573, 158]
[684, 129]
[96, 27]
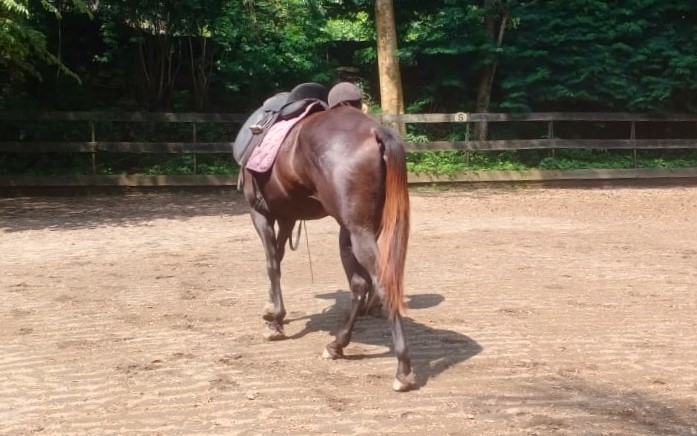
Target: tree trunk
[486, 77]
[201, 62]
[391, 97]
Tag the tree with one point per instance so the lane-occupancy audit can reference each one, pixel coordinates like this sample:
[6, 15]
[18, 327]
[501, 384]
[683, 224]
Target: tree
[202, 51]
[452, 35]
[454, 55]
[601, 55]
[18, 40]
[23, 42]
[391, 97]
[145, 31]
[495, 22]
[468, 34]
[268, 45]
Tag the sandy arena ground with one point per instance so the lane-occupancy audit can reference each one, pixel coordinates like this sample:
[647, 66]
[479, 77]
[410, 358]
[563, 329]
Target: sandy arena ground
[533, 311]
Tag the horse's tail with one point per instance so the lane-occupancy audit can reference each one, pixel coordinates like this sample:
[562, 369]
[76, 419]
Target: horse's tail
[394, 229]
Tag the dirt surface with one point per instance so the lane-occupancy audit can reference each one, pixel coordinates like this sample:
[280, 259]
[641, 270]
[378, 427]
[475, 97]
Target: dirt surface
[532, 312]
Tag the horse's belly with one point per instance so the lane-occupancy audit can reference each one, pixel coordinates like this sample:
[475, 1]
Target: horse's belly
[298, 208]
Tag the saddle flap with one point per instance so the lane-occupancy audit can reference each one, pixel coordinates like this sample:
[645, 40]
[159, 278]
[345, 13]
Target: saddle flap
[259, 121]
[245, 134]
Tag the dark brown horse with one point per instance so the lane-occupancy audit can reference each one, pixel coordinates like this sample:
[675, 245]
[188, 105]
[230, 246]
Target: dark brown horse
[344, 164]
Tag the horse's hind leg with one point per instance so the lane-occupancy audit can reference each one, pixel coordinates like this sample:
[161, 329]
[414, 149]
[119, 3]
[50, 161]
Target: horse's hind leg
[274, 311]
[360, 283]
[405, 378]
[365, 250]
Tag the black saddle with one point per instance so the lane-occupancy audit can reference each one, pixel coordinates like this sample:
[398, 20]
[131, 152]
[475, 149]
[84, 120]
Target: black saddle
[283, 105]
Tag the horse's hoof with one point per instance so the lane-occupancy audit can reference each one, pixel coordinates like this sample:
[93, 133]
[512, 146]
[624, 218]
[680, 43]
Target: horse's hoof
[273, 334]
[404, 383]
[331, 353]
[268, 313]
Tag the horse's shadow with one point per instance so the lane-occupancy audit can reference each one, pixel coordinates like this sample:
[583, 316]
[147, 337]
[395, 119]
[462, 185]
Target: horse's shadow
[433, 350]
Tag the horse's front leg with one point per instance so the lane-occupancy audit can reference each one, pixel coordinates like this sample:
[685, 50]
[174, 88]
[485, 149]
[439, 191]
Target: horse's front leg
[274, 311]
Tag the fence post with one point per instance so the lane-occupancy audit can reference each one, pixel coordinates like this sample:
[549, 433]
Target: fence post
[632, 136]
[550, 134]
[195, 164]
[93, 145]
[467, 140]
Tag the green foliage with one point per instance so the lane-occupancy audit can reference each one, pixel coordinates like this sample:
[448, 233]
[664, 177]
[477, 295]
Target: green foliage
[452, 29]
[453, 162]
[151, 42]
[23, 46]
[438, 163]
[44, 164]
[172, 55]
[165, 55]
[618, 159]
[183, 165]
[250, 49]
[14, 6]
[356, 27]
[597, 54]
[269, 45]
[20, 43]
[114, 163]
[572, 55]
[452, 36]
[575, 159]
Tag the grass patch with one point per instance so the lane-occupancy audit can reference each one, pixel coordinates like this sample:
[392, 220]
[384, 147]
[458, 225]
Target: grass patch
[12, 164]
[440, 163]
[453, 162]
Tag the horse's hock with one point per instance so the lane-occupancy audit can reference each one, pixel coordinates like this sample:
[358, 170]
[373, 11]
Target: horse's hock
[531, 311]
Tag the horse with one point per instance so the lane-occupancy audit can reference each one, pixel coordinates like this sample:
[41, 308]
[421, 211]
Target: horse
[344, 164]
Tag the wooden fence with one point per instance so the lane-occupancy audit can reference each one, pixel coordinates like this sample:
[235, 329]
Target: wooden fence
[547, 140]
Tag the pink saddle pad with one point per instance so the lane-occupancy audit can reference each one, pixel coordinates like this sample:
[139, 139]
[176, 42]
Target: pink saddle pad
[264, 155]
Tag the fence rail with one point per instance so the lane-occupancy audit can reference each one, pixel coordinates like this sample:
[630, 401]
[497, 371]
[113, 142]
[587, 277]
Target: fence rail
[465, 117]
[550, 141]
[116, 147]
[166, 117]
[547, 141]
[458, 117]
